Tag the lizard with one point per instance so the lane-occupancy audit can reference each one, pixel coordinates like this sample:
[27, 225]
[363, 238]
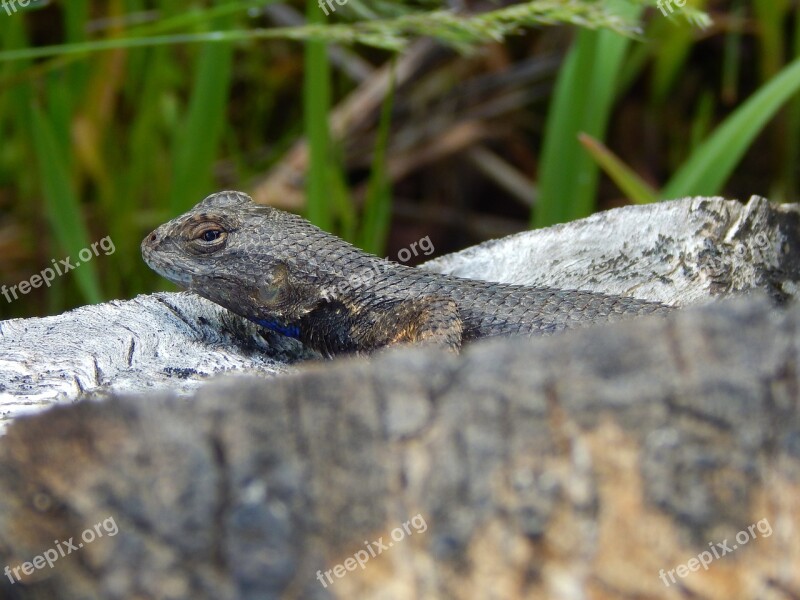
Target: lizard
[289, 276]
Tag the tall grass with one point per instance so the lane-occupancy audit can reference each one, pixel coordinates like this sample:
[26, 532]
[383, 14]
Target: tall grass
[117, 117]
[705, 165]
[317, 105]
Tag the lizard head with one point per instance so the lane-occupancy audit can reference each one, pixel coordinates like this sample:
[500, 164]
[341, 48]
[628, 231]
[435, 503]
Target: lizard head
[234, 252]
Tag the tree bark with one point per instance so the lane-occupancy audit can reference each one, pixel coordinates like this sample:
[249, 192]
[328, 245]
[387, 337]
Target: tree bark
[655, 458]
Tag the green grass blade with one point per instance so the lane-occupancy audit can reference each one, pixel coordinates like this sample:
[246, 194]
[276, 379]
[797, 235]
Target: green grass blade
[771, 25]
[378, 206]
[316, 104]
[198, 141]
[677, 42]
[582, 102]
[706, 170]
[635, 188]
[790, 174]
[341, 200]
[461, 31]
[702, 121]
[63, 208]
[557, 176]
[732, 56]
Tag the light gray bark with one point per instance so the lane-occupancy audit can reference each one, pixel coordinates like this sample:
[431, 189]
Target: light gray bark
[679, 252]
[157, 342]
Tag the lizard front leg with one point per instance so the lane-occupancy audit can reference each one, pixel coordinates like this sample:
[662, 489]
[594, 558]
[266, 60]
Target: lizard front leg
[334, 325]
[425, 320]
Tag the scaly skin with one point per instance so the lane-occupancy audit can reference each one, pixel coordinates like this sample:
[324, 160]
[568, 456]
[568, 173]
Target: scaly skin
[282, 272]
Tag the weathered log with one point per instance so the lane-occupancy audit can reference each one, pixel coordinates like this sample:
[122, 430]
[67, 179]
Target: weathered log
[678, 252]
[649, 458]
[162, 341]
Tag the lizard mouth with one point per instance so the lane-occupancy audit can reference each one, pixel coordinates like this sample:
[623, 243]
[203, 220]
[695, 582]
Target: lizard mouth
[184, 280]
[156, 261]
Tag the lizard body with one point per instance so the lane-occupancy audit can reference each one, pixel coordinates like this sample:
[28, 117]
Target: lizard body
[285, 274]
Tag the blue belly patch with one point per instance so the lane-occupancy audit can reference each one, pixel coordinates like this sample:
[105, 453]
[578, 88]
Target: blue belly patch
[292, 331]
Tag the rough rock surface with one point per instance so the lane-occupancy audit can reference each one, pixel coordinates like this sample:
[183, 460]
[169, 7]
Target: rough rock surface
[577, 466]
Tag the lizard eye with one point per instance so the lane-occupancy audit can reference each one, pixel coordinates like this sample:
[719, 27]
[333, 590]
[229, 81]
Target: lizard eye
[207, 237]
[210, 235]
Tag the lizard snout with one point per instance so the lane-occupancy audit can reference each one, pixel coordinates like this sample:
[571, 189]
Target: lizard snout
[151, 244]
[153, 240]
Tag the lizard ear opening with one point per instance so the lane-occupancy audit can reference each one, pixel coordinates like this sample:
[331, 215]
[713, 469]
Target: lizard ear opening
[277, 281]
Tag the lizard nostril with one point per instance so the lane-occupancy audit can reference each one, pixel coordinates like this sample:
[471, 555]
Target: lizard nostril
[153, 238]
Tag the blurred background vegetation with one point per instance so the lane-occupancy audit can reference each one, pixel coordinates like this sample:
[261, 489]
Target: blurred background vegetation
[382, 121]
